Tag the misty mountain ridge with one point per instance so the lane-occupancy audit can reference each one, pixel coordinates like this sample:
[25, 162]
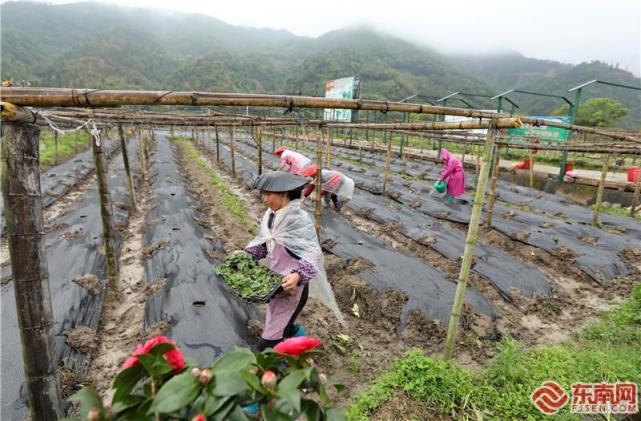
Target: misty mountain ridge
[93, 45]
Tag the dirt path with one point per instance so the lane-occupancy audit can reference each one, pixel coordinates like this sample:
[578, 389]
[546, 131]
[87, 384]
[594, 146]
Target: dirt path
[369, 343]
[121, 324]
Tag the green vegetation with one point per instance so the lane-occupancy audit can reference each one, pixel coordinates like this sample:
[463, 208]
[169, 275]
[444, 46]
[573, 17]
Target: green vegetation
[249, 278]
[89, 46]
[596, 112]
[68, 144]
[619, 212]
[231, 202]
[176, 137]
[605, 351]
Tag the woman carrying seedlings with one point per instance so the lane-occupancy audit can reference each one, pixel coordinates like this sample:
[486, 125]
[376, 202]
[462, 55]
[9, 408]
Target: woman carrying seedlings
[335, 186]
[288, 242]
[453, 172]
[291, 161]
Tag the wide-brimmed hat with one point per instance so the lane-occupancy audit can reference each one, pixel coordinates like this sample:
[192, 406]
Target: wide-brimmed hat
[279, 182]
[280, 150]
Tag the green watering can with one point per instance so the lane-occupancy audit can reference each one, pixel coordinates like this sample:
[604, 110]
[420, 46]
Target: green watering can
[439, 186]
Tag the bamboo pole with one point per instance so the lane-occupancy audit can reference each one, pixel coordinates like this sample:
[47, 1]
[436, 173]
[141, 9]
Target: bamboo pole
[492, 195]
[106, 211]
[470, 241]
[387, 163]
[67, 97]
[478, 161]
[27, 250]
[141, 156]
[599, 194]
[635, 197]
[274, 142]
[319, 172]
[296, 139]
[231, 149]
[55, 139]
[217, 145]
[259, 142]
[125, 158]
[531, 168]
[328, 147]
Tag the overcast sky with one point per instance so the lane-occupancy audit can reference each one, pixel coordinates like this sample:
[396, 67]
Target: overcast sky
[570, 31]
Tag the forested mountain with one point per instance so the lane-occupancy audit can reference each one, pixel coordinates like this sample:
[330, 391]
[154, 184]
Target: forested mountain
[94, 45]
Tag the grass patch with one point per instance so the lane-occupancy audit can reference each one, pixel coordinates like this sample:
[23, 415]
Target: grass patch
[177, 137]
[619, 212]
[231, 202]
[66, 146]
[605, 351]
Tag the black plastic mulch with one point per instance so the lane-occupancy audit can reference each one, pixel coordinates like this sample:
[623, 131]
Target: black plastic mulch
[74, 248]
[205, 318]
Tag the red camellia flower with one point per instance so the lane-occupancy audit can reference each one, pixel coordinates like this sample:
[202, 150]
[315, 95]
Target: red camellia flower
[297, 345]
[199, 417]
[174, 357]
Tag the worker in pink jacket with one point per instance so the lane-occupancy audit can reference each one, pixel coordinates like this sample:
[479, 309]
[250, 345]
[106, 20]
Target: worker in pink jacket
[453, 172]
[291, 161]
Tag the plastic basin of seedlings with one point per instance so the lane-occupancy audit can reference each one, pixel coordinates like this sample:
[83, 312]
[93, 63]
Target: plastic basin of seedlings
[249, 279]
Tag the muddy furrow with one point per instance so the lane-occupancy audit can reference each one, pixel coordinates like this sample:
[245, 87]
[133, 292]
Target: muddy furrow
[77, 279]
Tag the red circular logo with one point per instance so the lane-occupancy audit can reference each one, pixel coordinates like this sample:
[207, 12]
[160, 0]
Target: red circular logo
[549, 398]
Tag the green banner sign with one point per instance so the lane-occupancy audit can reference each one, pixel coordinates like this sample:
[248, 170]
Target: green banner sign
[544, 133]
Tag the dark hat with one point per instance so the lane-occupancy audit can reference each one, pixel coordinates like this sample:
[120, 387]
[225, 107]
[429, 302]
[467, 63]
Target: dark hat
[279, 182]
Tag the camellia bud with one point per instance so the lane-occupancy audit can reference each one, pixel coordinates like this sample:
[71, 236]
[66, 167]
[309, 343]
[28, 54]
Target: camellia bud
[322, 377]
[205, 376]
[269, 379]
[195, 372]
[199, 417]
[93, 414]
[253, 370]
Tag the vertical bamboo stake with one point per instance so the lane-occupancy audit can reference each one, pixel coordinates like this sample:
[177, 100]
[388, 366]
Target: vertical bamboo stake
[531, 168]
[478, 161]
[141, 157]
[125, 158]
[75, 140]
[231, 148]
[55, 139]
[274, 142]
[217, 145]
[635, 197]
[28, 254]
[106, 212]
[387, 163]
[296, 139]
[463, 156]
[259, 142]
[599, 194]
[328, 146]
[468, 253]
[491, 198]
[319, 172]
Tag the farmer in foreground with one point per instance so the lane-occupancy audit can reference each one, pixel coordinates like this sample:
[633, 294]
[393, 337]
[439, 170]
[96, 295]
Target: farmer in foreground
[288, 241]
[335, 186]
[453, 172]
[291, 161]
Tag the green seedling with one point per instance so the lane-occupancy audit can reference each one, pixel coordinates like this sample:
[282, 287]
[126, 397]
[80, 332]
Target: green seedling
[247, 277]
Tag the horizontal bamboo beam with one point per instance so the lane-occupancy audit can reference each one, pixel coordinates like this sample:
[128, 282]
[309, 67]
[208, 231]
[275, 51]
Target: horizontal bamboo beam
[68, 97]
[11, 112]
[502, 123]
